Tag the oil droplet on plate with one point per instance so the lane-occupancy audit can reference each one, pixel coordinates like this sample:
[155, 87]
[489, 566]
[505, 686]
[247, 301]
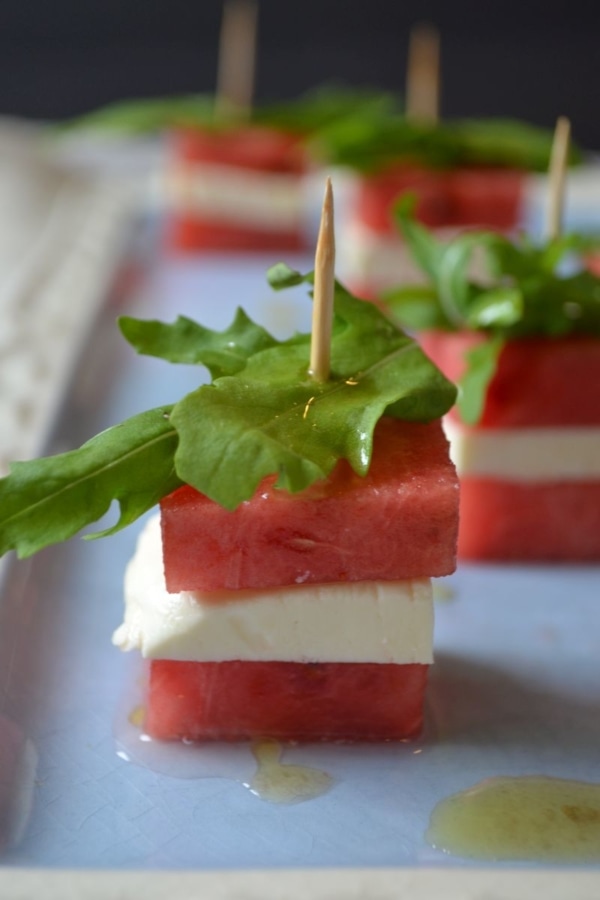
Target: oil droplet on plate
[136, 716]
[279, 782]
[442, 591]
[533, 818]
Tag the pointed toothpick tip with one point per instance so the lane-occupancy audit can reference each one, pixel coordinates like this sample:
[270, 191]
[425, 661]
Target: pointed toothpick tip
[322, 318]
[557, 175]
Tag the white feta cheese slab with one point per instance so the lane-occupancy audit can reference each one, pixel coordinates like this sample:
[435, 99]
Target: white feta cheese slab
[525, 454]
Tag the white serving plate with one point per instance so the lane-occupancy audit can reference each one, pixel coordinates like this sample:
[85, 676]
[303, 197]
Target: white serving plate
[515, 690]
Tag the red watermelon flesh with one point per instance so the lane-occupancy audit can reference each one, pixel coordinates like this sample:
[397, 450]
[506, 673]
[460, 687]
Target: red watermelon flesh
[400, 521]
[376, 195]
[486, 197]
[285, 700]
[520, 522]
[262, 149]
[538, 381]
[188, 232]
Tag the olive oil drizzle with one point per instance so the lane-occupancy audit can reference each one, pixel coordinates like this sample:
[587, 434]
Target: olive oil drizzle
[533, 818]
[278, 782]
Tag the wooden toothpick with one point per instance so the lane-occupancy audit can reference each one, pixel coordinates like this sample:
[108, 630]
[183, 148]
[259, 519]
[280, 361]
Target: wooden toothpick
[557, 174]
[423, 74]
[322, 318]
[237, 54]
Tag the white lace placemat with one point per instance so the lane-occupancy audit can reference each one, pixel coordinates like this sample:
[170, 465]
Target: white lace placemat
[62, 233]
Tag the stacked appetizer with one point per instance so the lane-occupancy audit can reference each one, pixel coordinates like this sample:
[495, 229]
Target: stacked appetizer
[524, 347]
[245, 185]
[300, 523]
[463, 173]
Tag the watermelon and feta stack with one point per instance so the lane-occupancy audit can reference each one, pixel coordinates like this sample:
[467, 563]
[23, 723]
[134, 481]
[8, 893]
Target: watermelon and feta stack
[301, 617]
[318, 601]
[236, 189]
[525, 349]
[530, 467]
[307, 498]
[249, 185]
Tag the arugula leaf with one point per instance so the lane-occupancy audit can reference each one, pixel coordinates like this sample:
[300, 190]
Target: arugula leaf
[426, 249]
[498, 307]
[377, 142]
[303, 115]
[184, 341]
[277, 420]
[281, 276]
[324, 106]
[261, 415]
[505, 142]
[521, 291]
[49, 500]
[416, 306]
[481, 365]
[146, 115]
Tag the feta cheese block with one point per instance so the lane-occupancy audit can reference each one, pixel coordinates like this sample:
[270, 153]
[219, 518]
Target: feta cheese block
[376, 622]
[530, 469]
[236, 189]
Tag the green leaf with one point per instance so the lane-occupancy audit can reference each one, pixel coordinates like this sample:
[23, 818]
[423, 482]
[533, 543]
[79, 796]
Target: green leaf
[481, 365]
[505, 142]
[274, 419]
[415, 307]
[146, 115]
[426, 249]
[375, 142]
[304, 115]
[46, 501]
[262, 415]
[281, 276]
[184, 341]
[323, 107]
[495, 308]
[524, 291]
[485, 282]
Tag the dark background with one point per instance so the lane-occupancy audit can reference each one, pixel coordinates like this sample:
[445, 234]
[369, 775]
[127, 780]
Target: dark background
[532, 60]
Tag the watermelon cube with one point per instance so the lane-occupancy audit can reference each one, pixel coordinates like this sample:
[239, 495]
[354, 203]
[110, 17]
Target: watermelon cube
[236, 189]
[285, 700]
[530, 469]
[398, 522]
